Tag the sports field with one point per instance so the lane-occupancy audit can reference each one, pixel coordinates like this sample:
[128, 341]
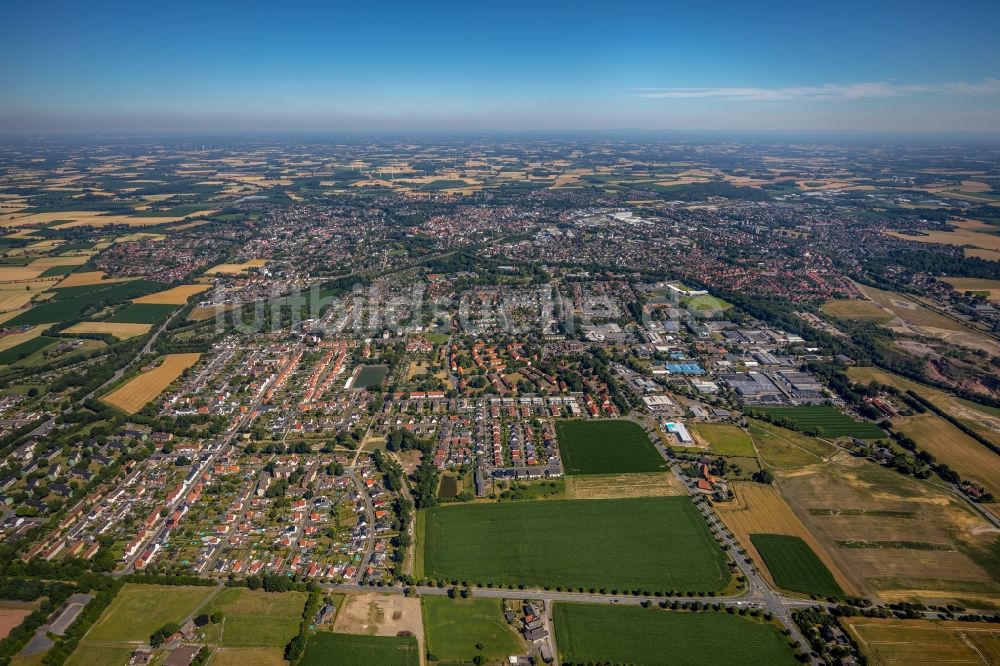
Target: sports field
[794, 566]
[243, 610]
[325, 648]
[782, 448]
[609, 446]
[134, 394]
[726, 439]
[178, 295]
[454, 627]
[139, 610]
[120, 330]
[651, 543]
[886, 641]
[827, 420]
[856, 309]
[592, 633]
[370, 375]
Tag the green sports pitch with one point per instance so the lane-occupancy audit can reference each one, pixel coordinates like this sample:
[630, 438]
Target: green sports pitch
[607, 446]
[325, 647]
[651, 544]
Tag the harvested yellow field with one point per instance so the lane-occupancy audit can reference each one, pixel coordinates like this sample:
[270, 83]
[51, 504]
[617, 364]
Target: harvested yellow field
[14, 340]
[886, 641]
[120, 330]
[978, 253]
[12, 273]
[18, 294]
[894, 537]
[990, 287]
[139, 236]
[130, 220]
[954, 448]
[967, 232]
[615, 486]
[88, 277]
[134, 394]
[64, 260]
[178, 295]
[236, 269]
[205, 313]
[759, 509]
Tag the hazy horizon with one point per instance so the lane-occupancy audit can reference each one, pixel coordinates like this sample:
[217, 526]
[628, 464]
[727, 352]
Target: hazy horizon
[314, 67]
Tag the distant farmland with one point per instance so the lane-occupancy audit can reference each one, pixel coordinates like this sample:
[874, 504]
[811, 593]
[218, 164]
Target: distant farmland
[142, 313]
[653, 543]
[610, 446]
[134, 394]
[832, 422]
[592, 633]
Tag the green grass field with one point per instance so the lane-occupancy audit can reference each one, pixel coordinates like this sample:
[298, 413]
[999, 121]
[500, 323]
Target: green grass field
[832, 422]
[25, 349]
[726, 439]
[652, 543]
[99, 655]
[143, 313]
[325, 648]
[592, 633]
[56, 271]
[72, 302]
[139, 610]
[370, 375]
[609, 446]
[782, 448]
[794, 566]
[243, 610]
[453, 628]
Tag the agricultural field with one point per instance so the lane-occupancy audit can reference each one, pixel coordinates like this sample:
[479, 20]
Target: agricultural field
[243, 609]
[894, 536]
[759, 509]
[249, 657]
[988, 288]
[794, 566]
[87, 654]
[142, 313]
[782, 448]
[27, 348]
[610, 446]
[886, 641]
[827, 421]
[236, 269]
[135, 393]
[120, 330]
[969, 234]
[139, 610]
[616, 486]
[654, 543]
[178, 295]
[856, 309]
[725, 439]
[71, 302]
[325, 648]
[591, 633]
[454, 627]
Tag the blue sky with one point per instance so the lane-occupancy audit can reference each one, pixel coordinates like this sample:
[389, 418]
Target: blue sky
[177, 66]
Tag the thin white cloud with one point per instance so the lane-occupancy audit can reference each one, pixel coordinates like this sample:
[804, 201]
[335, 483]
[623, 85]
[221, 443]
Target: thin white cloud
[830, 92]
